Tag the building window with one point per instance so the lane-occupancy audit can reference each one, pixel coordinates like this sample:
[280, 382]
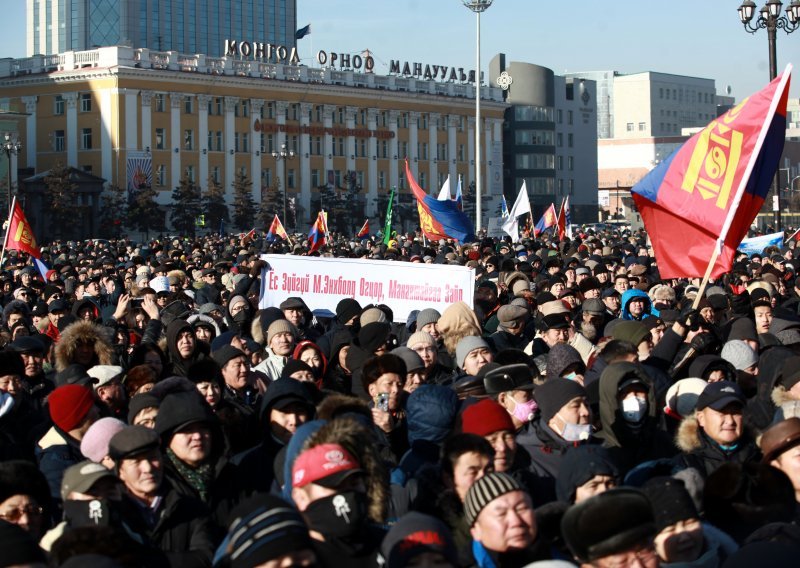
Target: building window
[290, 178]
[422, 183]
[86, 102]
[86, 139]
[642, 126]
[384, 149]
[188, 106]
[569, 140]
[161, 175]
[266, 176]
[159, 138]
[424, 118]
[362, 147]
[245, 142]
[158, 98]
[559, 140]
[245, 108]
[341, 146]
[215, 174]
[661, 93]
[424, 150]
[236, 142]
[570, 163]
[58, 105]
[190, 173]
[560, 116]
[569, 117]
[58, 141]
[571, 186]
[218, 104]
[314, 178]
[560, 161]
[188, 139]
[219, 141]
[243, 171]
[316, 147]
[629, 127]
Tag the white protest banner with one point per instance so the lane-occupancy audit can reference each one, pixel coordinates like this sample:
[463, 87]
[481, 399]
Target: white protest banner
[403, 286]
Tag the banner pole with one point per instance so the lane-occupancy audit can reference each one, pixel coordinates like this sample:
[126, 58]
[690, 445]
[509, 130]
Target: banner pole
[8, 226]
[791, 236]
[706, 277]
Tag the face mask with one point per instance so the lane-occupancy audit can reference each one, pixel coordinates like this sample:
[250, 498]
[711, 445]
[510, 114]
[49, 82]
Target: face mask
[573, 376]
[6, 403]
[338, 516]
[575, 432]
[240, 317]
[634, 408]
[523, 411]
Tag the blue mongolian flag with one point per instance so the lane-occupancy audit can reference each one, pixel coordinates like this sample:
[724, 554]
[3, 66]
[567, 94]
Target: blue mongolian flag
[706, 194]
[440, 219]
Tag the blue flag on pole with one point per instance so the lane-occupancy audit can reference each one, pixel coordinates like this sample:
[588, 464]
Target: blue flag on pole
[302, 32]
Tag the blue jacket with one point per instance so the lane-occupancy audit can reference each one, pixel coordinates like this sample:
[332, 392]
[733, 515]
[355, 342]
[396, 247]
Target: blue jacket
[55, 452]
[628, 296]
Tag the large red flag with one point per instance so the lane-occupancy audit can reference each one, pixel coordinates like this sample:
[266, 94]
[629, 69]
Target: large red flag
[706, 194]
[276, 230]
[20, 234]
[561, 223]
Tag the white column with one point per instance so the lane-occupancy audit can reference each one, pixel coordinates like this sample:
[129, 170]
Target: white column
[433, 131]
[470, 150]
[230, 157]
[497, 136]
[394, 171]
[202, 140]
[280, 138]
[176, 137]
[372, 168]
[131, 119]
[413, 141]
[71, 100]
[30, 131]
[255, 146]
[147, 128]
[452, 170]
[486, 187]
[350, 143]
[327, 150]
[106, 122]
[305, 160]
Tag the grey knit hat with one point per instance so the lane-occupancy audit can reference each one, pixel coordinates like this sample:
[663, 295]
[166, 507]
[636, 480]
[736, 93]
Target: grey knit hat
[467, 344]
[485, 490]
[426, 316]
[280, 326]
[739, 354]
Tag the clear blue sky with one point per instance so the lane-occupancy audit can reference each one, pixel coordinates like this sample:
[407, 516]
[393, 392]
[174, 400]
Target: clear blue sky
[686, 37]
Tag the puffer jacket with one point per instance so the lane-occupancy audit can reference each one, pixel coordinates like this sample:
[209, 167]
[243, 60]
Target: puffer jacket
[84, 332]
[703, 454]
[628, 296]
[55, 452]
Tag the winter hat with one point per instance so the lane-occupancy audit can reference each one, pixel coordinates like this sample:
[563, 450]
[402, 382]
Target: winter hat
[265, 528]
[180, 409]
[415, 534]
[410, 357]
[372, 315]
[139, 402]
[633, 331]
[373, 335]
[486, 417]
[21, 477]
[82, 476]
[280, 326]
[580, 464]
[294, 365]
[561, 357]
[235, 301]
[511, 316]
[682, 397]
[790, 373]
[104, 374]
[347, 309]
[466, 346]
[739, 354]
[421, 338]
[94, 444]
[19, 547]
[426, 316]
[132, 441]
[670, 500]
[69, 406]
[485, 490]
[607, 524]
[780, 437]
[743, 328]
[225, 353]
[554, 394]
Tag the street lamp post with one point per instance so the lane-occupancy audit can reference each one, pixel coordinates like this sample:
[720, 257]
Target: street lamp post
[11, 147]
[478, 6]
[283, 154]
[770, 19]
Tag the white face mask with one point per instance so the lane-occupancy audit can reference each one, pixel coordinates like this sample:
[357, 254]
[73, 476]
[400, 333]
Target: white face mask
[634, 408]
[575, 432]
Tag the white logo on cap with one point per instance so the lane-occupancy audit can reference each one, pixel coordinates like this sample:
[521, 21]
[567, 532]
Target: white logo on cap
[727, 389]
[334, 459]
[299, 475]
[92, 468]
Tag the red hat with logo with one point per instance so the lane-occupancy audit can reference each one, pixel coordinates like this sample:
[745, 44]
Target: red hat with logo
[327, 465]
[486, 417]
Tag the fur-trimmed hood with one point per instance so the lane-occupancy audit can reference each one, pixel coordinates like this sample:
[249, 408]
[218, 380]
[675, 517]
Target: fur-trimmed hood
[687, 438]
[84, 331]
[780, 396]
[359, 441]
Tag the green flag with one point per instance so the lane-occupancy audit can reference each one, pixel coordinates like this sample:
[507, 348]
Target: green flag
[387, 228]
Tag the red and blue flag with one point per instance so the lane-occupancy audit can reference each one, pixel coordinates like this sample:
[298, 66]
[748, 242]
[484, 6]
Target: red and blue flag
[440, 219]
[549, 219]
[707, 193]
[276, 230]
[364, 232]
[318, 235]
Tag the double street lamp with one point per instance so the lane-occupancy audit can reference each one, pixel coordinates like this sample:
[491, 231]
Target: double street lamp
[283, 154]
[11, 147]
[770, 19]
[478, 6]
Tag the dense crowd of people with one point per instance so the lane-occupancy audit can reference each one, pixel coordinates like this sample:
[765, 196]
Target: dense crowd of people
[584, 411]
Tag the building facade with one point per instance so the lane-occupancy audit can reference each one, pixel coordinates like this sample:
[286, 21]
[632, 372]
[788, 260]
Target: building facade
[188, 26]
[135, 116]
[551, 136]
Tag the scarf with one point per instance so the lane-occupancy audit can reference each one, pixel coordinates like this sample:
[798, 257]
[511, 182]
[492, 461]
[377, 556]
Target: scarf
[199, 478]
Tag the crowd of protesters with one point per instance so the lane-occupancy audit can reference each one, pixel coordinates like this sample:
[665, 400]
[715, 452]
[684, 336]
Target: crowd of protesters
[583, 412]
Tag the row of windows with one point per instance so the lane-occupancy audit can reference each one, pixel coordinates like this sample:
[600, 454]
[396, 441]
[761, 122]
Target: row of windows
[546, 186]
[685, 95]
[533, 113]
[629, 127]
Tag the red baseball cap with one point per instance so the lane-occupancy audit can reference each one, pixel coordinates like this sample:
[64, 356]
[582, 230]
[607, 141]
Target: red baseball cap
[327, 465]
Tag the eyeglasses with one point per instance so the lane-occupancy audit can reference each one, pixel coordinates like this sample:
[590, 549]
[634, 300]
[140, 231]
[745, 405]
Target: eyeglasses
[15, 515]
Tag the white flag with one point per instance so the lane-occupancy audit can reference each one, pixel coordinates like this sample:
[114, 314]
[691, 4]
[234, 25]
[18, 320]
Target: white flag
[444, 193]
[521, 206]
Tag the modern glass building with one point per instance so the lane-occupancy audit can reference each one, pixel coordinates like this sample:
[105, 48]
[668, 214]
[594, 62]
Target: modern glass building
[188, 26]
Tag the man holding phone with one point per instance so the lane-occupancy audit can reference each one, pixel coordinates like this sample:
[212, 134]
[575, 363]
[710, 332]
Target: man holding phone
[383, 379]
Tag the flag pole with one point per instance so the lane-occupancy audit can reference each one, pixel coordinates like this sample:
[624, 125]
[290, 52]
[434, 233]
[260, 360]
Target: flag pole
[791, 236]
[8, 226]
[707, 275]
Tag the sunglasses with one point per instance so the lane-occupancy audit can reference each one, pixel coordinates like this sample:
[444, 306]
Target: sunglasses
[15, 515]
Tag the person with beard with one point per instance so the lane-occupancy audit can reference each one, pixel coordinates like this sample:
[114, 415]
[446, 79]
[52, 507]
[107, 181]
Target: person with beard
[330, 491]
[593, 318]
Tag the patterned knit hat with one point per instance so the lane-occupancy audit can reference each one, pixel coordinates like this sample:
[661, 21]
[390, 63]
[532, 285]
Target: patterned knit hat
[485, 490]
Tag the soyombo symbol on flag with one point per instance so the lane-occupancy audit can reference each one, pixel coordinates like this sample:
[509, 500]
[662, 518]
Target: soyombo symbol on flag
[19, 235]
[709, 190]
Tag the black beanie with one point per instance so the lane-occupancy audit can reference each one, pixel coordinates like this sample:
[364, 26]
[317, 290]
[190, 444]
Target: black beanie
[579, 465]
[225, 353]
[294, 365]
[373, 335]
[554, 394]
[670, 500]
[347, 309]
[790, 373]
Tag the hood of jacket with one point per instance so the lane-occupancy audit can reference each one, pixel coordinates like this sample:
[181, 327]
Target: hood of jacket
[628, 296]
[431, 411]
[305, 344]
[615, 431]
[84, 332]
[197, 319]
